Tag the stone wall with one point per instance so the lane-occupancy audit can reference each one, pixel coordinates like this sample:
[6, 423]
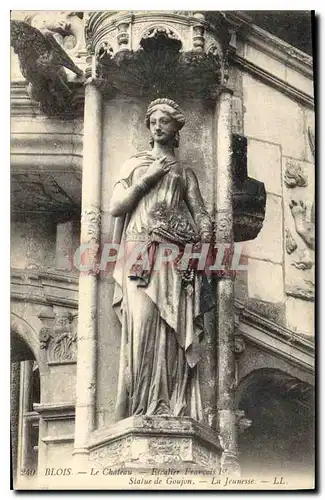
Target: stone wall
[33, 242]
[279, 282]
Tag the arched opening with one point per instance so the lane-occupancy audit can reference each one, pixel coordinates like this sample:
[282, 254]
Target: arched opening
[281, 437]
[25, 391]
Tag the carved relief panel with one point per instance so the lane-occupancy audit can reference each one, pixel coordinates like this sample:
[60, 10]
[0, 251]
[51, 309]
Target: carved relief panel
[299, 221]
[58, 337]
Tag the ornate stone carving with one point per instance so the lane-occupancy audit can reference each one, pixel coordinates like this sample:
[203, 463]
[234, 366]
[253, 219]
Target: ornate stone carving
[294, 175]
[239, 344]
[60, 339]
[143, 441]
[291, 244]
[160, 69]
[304, 260]
[114, 453]
[243, 423]
[164, 449]
[105, 50]
[90, 223]
[154, 53]
[305, 293]
[159, 32]
[123, 35]
[198, 38]
[223, 227]
[44, 337]
[42, 61]
[304, 223]
[301, 284]
[66, 27]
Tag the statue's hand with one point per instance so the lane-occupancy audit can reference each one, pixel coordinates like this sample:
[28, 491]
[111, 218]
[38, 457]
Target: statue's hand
[157, 170]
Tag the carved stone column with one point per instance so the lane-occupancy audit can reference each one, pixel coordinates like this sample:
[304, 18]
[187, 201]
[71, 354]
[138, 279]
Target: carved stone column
[90, 231]
[225, 289]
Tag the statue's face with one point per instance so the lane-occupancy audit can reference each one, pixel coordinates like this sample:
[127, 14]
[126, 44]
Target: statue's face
[162, 127]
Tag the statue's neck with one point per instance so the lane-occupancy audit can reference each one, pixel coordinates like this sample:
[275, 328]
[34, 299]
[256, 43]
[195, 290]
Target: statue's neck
[163, 150]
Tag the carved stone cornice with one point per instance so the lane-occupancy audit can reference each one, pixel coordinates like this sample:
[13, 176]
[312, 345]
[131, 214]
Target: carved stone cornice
[45, 287]
[272, 80]
[270, 44]
[55, 411]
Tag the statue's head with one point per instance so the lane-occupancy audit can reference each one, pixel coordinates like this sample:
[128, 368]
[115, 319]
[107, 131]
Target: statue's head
[164, 119]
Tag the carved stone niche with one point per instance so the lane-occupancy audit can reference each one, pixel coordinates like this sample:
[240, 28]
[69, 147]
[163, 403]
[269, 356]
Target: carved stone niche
[249, 195]
[139, 443]
[158, 53]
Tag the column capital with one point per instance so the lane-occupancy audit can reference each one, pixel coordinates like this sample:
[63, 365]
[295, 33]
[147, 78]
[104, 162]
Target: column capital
[224, 89]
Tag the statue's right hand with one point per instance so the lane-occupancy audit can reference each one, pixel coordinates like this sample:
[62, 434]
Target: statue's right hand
[157, 169]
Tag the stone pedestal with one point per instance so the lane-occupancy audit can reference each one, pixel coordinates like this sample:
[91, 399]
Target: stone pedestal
[140, 443]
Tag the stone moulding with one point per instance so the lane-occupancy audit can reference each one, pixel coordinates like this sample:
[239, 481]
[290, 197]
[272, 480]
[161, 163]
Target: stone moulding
[143, 441]
[273, 338]
[272, 80]
[55, 411]
[41, 287]
[271, 44]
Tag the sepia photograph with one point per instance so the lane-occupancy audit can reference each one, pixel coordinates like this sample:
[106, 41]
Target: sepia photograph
[162, 248]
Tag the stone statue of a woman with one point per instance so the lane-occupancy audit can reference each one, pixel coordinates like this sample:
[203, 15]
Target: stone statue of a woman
[160, 307]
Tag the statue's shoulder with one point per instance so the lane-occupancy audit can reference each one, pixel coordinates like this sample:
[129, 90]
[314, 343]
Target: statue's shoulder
[141, 154]
[134, 162]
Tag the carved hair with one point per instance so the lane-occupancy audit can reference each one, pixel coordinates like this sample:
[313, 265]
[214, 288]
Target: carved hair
[167, 106]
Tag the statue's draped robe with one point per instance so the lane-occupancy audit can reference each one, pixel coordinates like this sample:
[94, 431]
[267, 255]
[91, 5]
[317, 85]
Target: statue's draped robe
[160, 313]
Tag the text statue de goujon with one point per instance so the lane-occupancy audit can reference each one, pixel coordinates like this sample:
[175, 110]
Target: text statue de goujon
[160, 307]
